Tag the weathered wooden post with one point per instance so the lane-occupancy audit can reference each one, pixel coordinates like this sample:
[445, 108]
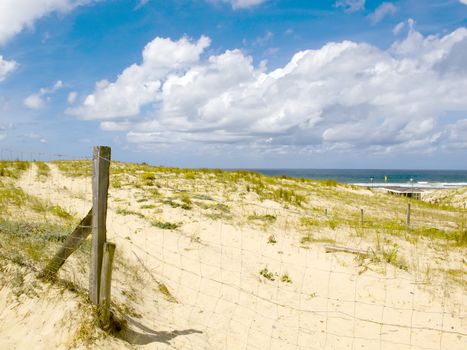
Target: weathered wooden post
[100, 187]
[361, 217]
[105, 286]
[408, 216]
[72, 242]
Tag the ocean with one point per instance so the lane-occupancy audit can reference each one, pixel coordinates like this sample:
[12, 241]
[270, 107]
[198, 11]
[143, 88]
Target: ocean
[421, 178]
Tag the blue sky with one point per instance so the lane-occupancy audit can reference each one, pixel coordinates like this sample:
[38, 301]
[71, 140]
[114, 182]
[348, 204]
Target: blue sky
[238, 83]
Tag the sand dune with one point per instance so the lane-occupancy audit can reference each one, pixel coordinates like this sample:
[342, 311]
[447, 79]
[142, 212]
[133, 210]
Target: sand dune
[214, 260]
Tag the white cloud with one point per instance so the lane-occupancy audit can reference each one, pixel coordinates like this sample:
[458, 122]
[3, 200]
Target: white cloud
[383, 10]
[350, 5]
[139, 85]
[398, 28]
[15, 15]
[34, 101]
[263, 40]
[342, 96]
[72, 97]
[6, 67]
[38, 100]
[241, 4]
[142, 3]
[463, 2]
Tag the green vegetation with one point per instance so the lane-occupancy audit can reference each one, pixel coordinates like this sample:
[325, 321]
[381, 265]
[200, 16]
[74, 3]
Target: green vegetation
[310, 239]
[164, 225]
[148, 206]
[76, 168]
[43, 170]
[186, 202]
[285, 278]
[328, 182]
[13, 169]
[265, 218]
[60, 212]
[33, 243]
[148, 178]
[267, 274]
[272, 239]
[123, 211]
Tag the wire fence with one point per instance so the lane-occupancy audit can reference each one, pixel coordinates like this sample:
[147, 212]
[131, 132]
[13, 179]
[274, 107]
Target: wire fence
[206, 264]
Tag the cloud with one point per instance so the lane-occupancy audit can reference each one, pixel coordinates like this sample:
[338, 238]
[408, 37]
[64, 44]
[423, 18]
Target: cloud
[15, 15]
[398, 28]
[340, 97]
[263, 40]
[350, 6]
[38, 100]
[139, 85]
[463, 2]
[241, 4]
[141, 3]
[6, 67]
[72, 97]
[383, 10]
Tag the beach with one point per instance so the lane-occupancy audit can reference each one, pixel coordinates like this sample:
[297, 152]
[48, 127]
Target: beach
[209, 259]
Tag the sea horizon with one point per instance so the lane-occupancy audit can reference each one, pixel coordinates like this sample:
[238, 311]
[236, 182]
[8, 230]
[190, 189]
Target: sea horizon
[376, 177]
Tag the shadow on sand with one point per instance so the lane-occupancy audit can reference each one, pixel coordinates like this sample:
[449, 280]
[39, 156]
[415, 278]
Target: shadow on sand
[145, 335]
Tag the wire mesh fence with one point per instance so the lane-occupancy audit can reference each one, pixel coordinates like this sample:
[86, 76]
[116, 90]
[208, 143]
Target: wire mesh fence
[233, 260]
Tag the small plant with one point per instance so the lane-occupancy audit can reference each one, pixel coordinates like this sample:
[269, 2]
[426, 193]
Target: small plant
[148, 178]
[42, 169]
[272, 239]
[328, 182]
[285, 278]
[332, 223]
[60, 212]
[267, 274]
[187, 204]
[123, 211]
[307, 239]
[115, 183]
[190, 176]
[390, 255]
[148, 206]
[310, 239]
[266, 218]
[164, 225]
[165, 291]
[195, 238]
[307, 221]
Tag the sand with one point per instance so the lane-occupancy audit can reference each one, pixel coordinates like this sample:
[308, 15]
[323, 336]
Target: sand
[212, 269]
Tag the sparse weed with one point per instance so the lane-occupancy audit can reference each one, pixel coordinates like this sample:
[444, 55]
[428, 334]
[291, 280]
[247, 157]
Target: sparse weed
[272, 239]
[285, 278]
[267, 274]
[266, 218]
[164, 225]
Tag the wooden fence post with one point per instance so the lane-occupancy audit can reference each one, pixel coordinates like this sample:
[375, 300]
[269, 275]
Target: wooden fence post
[106, 281]
[361, 217]
[72, 242]
[100, 186]
[408, 216]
